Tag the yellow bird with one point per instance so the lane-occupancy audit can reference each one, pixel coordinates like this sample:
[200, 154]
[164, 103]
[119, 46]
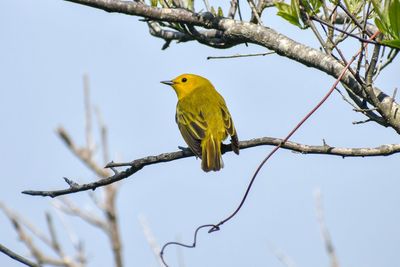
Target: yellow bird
[203, 119]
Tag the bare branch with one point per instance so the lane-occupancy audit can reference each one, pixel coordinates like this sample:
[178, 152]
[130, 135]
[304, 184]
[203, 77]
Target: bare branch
[112, 220]
[138, 164]
[54, 240]
[254, 13]
[151, 240]
[330, 249]
[103, 135]
[12, 215]
[82, 154]
[232, 9]
[70, 208]
[361, 122]
[77, 244]
[241, 55]
[354, 19]
[392, 55]
[40, 257]
[385, 108]
[342, 31]
[17, 257]
[88, 115]
[110, 224]
[281, 256]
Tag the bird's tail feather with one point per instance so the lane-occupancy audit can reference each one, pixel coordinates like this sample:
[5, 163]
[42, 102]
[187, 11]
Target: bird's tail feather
[211, 154]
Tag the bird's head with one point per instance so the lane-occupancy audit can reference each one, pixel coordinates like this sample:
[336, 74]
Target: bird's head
[185, 84]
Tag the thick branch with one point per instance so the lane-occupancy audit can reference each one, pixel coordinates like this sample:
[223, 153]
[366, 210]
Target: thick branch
[138, 164]
[237, 32]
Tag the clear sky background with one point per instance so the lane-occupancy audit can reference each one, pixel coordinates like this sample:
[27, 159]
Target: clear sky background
[45, 48]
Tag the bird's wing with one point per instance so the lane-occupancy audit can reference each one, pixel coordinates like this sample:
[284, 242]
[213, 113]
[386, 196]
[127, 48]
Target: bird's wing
[193, 128]
[230, 128]
[228, 123]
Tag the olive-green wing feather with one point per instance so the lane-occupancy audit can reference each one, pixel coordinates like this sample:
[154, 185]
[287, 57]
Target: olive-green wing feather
[192, 128]
[230, 128]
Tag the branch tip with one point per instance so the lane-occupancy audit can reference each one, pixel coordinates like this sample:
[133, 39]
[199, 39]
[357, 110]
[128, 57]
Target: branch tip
[71, 183]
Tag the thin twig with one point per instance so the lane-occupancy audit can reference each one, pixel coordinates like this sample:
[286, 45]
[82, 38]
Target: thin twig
[241, 55]
[151, 240]
[361, 122]
[81, 153]
[340, 30]
[88, 115]
[281, 256]
[12, 215]
[54, 240]
[103, 135]
[392, 55]
[77, 244]
[232, 9]
[17, 257]
[255, 16]
[354, 19]
[68, 207]
[207, 5]
[326, 237]
[40, 257]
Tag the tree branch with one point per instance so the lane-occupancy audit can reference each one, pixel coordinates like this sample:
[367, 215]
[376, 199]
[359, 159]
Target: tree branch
[19, 223]
[110, 225]
[138, 164]
[235, 32]
[82, 153]
[17, 257]
[326, 237]
[68, 207]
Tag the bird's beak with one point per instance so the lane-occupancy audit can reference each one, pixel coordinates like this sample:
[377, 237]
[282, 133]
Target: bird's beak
[167, 82]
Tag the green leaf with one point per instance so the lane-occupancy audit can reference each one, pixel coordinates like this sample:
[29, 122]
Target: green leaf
[213, 11]
[312, 7]
[354, 6]
[190, 5]
[377, 8]
[392, 43]
[388, 19]
[220, 12]
[292, 19]
[394, 18]
[153, 3]
[316, 5]
[283, 7]
[295, 8]
[289, 12]
[381, 25]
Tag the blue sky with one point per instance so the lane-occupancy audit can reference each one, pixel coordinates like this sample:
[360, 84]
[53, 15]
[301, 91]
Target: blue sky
[46, 48]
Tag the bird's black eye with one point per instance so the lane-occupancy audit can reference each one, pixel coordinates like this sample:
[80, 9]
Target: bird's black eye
[184, 80]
